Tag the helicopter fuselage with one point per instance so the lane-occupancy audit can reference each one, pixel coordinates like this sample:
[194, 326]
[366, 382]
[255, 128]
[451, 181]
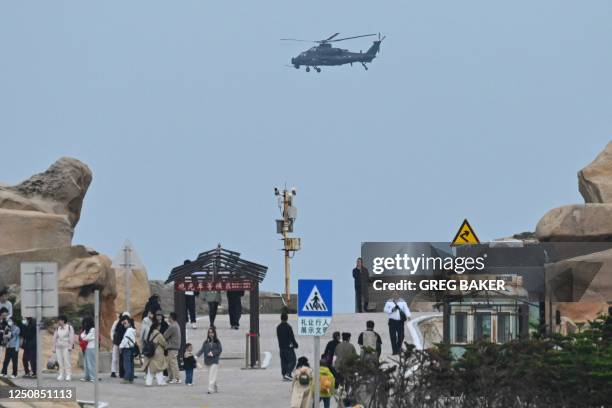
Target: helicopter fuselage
[326, 55]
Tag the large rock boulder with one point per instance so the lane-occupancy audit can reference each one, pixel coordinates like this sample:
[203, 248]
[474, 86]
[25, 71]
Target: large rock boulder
[139, 289]
[23, 230]
[595, 180]
[81, 277]
[578, 222]
[81, 272]
[59, 190]
[581, 287]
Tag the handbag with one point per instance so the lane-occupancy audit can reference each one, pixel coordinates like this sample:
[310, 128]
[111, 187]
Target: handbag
[403, 317]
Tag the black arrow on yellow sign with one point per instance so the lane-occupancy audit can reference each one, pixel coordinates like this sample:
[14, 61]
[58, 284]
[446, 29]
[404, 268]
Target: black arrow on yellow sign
[465, 235]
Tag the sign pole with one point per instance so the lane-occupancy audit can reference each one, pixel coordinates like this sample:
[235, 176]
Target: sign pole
[97, 345]
[39, 289]
[317, 369]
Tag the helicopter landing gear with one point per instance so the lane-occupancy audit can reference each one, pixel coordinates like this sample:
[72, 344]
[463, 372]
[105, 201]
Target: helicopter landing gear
[364, 66]
[317, 69]
[307, 69]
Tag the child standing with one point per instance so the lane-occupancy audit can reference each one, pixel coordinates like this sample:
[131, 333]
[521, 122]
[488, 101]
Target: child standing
[189, 363]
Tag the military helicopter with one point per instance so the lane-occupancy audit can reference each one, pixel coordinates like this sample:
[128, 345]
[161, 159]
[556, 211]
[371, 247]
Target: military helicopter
[324, 54]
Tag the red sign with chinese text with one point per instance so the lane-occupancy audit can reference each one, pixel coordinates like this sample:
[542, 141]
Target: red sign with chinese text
[206, 286]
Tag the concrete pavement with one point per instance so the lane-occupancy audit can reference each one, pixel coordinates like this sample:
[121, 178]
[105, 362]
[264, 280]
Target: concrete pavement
[237, 387]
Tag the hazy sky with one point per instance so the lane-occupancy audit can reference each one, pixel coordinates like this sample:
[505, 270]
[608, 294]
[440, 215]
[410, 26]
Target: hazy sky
[188, 117]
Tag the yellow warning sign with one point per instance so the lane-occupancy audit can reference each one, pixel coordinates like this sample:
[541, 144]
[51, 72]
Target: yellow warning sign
[465, 235]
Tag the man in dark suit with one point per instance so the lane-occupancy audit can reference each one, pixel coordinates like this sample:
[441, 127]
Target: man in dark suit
[361, 278]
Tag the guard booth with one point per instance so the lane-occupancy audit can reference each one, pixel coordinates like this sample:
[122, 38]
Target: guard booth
[220, 270]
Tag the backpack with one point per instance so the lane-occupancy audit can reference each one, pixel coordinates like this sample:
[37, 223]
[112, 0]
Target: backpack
[369, 340]
[148, 347]
[304, 378]
[326, 386]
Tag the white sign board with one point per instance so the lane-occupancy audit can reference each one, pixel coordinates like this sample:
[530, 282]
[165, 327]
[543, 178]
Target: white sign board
[313, 326]
[39, 289]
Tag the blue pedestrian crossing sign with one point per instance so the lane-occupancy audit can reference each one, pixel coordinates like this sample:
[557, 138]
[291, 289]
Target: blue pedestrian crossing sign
[315, 297]
[314, 306]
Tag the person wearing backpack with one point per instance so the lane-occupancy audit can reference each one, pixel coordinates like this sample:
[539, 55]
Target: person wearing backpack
[301, 388]
[327, 384]
[154, 351]
[63, 344]
[397, 311]
[371, 344]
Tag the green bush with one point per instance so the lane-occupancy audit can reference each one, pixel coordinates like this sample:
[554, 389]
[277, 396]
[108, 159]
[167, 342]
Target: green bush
[557, 371]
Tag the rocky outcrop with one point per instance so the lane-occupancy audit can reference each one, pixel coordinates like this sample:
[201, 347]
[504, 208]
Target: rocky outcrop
[59, 190]
[81, 277]
[23, 230]
[580, 287]
[139, 289]
[37, 220]
[578, 222]
[595, 180]
[81, 272]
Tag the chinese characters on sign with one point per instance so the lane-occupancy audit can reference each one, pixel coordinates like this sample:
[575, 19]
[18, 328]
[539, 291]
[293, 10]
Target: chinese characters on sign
[313, 326]
[203, 286]
[314, 306]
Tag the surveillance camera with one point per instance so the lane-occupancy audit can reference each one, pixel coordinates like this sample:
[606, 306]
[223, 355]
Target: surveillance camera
[276, 191]
[294, 191]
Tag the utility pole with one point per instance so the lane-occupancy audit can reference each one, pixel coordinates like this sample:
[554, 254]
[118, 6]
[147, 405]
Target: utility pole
[127, 266]
[285, 227]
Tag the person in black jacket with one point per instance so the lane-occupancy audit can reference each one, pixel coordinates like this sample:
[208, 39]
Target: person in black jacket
[189, 363]
[358, 284]
[118, 332]
[330, 348]
[234, 307]
[287, 346]
[29, 347]
[152, 305]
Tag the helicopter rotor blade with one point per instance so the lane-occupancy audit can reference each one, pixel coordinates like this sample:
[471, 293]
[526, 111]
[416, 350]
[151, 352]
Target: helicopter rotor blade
[349, 38]
[329, 38]
[295, 39]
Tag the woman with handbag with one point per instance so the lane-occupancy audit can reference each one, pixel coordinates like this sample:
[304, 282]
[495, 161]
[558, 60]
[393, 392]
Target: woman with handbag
[87, 340]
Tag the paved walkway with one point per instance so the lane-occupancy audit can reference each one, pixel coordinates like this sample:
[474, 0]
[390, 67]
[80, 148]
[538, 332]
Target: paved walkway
[237, 387]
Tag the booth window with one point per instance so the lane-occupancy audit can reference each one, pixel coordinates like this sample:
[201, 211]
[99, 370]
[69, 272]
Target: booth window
[461, 327]
[483, 326]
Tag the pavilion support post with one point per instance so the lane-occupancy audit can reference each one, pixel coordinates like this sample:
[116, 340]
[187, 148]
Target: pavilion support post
[180, 309]
[254, 325]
